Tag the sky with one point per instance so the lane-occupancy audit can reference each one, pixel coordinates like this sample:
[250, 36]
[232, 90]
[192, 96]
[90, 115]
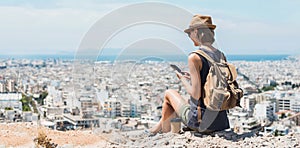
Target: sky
[58, 26]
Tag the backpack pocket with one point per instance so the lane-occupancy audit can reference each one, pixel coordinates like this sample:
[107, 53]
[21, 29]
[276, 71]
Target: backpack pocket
[217, 100]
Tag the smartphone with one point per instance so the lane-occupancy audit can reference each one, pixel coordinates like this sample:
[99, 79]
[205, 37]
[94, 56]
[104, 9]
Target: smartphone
[176, 68]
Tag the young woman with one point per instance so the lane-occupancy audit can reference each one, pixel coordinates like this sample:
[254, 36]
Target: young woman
[201, 32]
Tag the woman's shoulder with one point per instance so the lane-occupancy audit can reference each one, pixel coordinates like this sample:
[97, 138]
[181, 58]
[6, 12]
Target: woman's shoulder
[194, 57]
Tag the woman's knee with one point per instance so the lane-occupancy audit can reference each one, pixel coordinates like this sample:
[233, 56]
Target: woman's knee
[169, 92]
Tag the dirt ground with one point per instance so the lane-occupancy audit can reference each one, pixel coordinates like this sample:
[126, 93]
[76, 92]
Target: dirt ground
[23, 135]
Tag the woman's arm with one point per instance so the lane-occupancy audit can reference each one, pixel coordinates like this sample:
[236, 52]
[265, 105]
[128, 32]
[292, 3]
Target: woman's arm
[193, 88]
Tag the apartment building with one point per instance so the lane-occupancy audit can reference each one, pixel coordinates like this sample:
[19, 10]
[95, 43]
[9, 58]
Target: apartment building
[265, 110]
[112, 108]
[11, 100]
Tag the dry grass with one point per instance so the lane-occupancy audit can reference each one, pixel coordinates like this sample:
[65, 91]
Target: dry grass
[43, 141]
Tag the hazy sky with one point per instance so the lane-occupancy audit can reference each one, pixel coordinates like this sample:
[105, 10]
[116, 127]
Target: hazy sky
[57, 26]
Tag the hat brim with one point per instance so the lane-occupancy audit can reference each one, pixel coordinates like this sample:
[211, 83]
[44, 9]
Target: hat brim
[209, 26]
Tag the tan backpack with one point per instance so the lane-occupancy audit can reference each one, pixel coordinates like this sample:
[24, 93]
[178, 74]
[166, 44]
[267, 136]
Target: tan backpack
[221, 91]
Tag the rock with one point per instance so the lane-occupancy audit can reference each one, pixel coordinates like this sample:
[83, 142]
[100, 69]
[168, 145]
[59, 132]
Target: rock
[188, 134]
[67, 146]
[167, 143]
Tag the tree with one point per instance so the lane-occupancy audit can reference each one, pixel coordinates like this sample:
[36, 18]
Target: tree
[8, 108]
[276, 133]
[26, 100]
[268, 88]
[41, 98]
[26, 108]
[283, 115]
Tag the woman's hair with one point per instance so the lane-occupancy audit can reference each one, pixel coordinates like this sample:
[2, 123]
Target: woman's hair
[208, 35]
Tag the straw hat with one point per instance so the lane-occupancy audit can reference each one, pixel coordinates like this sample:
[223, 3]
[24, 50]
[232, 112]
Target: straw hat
[200, 21]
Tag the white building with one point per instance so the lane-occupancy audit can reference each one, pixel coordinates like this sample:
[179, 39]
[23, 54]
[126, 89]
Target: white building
[264, 110]
[112, 108]
[277, 129]
[10, 114]
[284, 103]
[125, 109]
[249, 124]
[289, 101]
[54, 106]
[242, 123]
[128, 109]
[235, 117]
[72, 102]
[248, 103]
[11, 86]
[2, 87]
[29, 116]
[295, 106]
[101, 96]
[11, 100]
[54, 113]
[54, 97]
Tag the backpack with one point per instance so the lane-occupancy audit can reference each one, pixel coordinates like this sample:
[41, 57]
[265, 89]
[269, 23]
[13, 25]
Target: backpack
[221, 90]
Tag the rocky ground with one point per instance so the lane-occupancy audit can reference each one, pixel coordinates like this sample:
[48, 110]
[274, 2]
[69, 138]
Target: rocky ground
[189, 140]
[23, 135]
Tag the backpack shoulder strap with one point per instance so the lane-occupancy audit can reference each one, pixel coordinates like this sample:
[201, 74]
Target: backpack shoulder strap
[207, 57]
[223, 57]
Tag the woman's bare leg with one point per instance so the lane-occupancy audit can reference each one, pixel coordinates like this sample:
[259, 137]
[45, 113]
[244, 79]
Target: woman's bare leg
[172, 103]
[164, 123]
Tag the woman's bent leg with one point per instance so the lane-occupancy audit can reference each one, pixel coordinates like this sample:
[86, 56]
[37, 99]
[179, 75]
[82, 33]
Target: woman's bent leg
[171, 106]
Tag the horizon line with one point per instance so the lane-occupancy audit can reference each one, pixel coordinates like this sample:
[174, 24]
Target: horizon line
[73, 54]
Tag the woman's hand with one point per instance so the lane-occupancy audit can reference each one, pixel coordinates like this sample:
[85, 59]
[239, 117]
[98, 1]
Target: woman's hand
[179, 75]
[186, 75]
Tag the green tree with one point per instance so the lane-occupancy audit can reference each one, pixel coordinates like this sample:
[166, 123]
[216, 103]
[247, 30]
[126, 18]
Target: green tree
[268, 88]
[8, 108]
[26, 108]
[283, 115]
[41, 98]
[26, 100]
[276, 133]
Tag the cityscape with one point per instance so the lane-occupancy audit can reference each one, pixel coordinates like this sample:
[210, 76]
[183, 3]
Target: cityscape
[104, 74]
[65, 95]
